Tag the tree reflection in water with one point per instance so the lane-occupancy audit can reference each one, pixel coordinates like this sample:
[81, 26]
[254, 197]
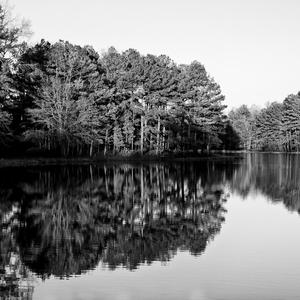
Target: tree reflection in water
[63, 221]
[15, 279]
[277, 176]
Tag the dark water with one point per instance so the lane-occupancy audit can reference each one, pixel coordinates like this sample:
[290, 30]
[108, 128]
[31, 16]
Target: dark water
[194, 230]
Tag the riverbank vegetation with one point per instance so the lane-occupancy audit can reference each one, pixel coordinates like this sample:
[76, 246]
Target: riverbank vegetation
[273, 128]
[67, 100]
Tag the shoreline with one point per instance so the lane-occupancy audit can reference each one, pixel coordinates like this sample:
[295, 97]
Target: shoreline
[60, 161]
[44, 161]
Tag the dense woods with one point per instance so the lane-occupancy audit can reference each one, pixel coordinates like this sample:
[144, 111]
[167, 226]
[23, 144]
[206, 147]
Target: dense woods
[64, 99]
[274, 128]
[67, 100]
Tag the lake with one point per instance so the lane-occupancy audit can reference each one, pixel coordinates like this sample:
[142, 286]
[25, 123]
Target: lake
[207, 230]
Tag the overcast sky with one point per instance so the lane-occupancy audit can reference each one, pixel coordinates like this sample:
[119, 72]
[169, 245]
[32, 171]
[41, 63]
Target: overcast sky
[251, 48]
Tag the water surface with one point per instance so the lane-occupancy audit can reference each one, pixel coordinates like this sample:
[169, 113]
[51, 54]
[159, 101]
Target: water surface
[224, 229]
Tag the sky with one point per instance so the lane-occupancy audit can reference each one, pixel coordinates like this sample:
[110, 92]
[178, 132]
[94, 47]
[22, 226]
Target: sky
[251, 48]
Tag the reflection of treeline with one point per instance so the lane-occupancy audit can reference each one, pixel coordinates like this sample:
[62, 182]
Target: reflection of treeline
[277, 176]
[69, 219]
[15, 279]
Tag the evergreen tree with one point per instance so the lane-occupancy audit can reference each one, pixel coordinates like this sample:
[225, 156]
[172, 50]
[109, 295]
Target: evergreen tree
[291, 122]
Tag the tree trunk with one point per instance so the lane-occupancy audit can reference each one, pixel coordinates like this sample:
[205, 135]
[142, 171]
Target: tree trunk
[158, 136]
[163, 137]
[142, 134]
[105, 142]
[91, 149]
[132, 139]
[208, 145]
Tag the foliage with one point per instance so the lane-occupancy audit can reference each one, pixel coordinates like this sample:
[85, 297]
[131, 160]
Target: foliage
[243, 122]
[70, 101]
[65, 112]
[11, 45]
[273, 128]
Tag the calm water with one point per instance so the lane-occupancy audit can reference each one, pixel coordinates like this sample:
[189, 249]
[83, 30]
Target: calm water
[194, 230]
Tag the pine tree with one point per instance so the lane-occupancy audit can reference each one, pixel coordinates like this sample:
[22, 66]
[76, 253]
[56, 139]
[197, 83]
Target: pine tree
[291, 121]
[268, 128]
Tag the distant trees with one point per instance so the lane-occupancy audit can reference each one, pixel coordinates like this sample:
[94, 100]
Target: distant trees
[274, 128]
[268, 128]
[242, 121]
[291, 122]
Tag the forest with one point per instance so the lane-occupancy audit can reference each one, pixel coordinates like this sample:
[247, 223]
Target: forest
[67, 100]
[273, 128]
[60, 99]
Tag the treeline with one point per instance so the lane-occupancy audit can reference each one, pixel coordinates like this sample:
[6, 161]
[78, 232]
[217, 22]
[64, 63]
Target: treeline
[274, 128]
[64, 99]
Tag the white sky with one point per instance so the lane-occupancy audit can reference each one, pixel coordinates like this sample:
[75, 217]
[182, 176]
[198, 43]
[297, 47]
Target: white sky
[251, 48]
